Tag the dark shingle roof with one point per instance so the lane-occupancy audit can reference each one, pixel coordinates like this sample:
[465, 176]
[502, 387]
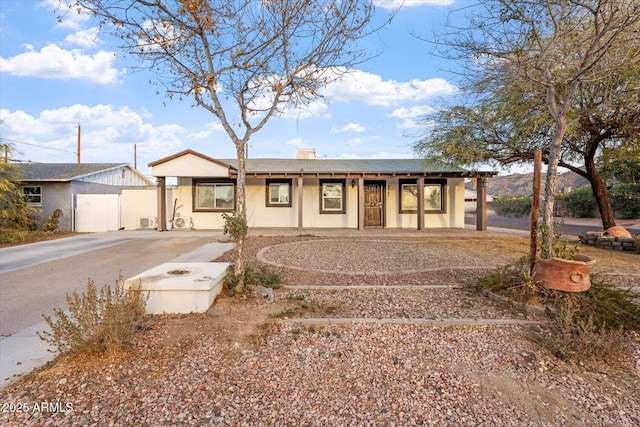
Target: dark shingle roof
[334, 166]
[63, 171]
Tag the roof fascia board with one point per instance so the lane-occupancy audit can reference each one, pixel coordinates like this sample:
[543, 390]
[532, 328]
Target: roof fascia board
[194, 153]
[460, 174]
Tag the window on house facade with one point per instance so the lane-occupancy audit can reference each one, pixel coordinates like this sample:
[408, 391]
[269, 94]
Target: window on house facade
[279, 192]
[33, 195]
[332, 196]
[434, 196]
[216, 195]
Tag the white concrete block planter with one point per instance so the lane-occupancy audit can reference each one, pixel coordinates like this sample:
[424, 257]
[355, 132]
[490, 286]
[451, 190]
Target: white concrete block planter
[181, 287]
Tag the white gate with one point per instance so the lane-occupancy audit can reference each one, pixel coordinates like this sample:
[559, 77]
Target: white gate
[97, 212]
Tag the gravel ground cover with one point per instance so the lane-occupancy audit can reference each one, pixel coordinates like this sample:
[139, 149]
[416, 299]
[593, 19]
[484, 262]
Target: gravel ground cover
[377, 257]
[340, 375]
[242, 364]
[379, 303]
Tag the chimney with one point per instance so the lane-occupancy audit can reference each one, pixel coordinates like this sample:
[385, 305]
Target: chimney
[306, 153]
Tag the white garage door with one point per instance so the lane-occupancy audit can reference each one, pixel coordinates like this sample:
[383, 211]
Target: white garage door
[97, 212]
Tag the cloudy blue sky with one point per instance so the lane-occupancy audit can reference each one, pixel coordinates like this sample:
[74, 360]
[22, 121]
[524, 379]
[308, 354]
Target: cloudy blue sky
[55, 75]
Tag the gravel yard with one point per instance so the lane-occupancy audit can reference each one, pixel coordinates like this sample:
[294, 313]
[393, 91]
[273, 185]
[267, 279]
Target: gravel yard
[249, 362]
[426, 303]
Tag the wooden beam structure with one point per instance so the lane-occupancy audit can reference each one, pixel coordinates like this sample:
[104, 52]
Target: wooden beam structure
[481, 204]
[420, 210]
[162, 204]
[300, 204]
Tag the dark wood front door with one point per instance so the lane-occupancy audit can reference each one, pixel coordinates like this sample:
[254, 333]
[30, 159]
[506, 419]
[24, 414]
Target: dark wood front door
[373, 205]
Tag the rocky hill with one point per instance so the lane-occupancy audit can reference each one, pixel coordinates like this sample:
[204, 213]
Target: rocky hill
[523, 183]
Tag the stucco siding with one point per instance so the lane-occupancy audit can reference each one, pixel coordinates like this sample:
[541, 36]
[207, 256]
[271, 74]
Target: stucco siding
[261, 215]
[54, 196]
[140, 202]
[190, 165]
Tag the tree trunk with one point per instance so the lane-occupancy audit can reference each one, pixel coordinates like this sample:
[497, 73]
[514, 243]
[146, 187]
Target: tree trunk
[601, 194]
[241, 211]
[551, 187]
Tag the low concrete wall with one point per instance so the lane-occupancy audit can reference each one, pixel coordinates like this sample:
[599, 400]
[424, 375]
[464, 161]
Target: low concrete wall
[597, 239]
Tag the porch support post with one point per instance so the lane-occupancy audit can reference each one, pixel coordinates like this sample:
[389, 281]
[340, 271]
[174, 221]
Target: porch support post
[300, 204]
[162, 203]
[420, 196]
[361, 203]
[481, 204]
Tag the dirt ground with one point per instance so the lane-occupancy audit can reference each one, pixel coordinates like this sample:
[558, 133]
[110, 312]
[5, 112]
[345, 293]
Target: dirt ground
[243, 325]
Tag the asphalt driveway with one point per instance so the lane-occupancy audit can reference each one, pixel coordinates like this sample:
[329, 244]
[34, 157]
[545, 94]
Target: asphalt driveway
[35, 278]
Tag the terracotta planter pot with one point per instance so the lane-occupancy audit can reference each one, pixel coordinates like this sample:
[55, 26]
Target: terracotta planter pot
[568, 275]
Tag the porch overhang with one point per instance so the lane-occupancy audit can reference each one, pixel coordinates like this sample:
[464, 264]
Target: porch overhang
[189, 163]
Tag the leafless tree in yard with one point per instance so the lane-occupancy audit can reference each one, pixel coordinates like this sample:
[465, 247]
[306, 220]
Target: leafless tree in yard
[244, 61]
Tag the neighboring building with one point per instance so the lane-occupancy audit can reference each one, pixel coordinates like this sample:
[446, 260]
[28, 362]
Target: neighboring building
[471, 200]
[88, 194]
[308, 192]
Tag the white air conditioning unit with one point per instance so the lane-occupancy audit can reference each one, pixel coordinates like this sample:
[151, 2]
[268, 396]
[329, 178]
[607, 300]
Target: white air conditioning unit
[182, 222]
[148, 222]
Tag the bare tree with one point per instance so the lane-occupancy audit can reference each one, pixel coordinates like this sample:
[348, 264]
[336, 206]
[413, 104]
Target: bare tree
[558, 45]
[244, 61]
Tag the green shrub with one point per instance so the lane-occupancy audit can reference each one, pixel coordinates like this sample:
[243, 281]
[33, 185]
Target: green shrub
[266, 277]
[10, 236]
[572, 337]
[263, 276]
[514, 281]
[581, 202]
[512, 206]
[626, 200]
[593, 325]
[53, 222]
[590, 325]
[234, 225]
[96, 323]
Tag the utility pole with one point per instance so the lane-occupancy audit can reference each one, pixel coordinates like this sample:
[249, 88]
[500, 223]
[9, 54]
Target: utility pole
[78, 152]
[135, 156]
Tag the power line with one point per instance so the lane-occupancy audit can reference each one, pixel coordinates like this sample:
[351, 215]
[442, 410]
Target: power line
[36, 145]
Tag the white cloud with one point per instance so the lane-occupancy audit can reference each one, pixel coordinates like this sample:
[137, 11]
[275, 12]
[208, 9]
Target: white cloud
[315, 108]
[107, 134]
[70, 17]
[370, 89]
[52, 62]
[413, 112]
[395, 4]
[354, 141]
[297, 142]
[209, 129]
[351, 127]
[84, 38]
[409, 114]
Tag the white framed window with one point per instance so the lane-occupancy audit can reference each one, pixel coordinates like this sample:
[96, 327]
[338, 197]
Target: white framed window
[33, 195]
[279, 192]
[332, 196]
[434, 196]
[213, 195]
